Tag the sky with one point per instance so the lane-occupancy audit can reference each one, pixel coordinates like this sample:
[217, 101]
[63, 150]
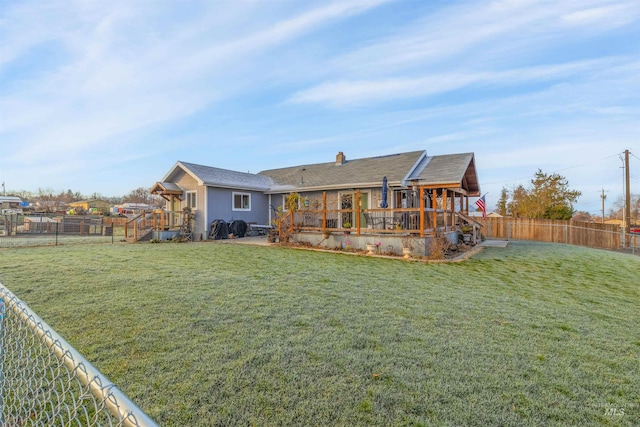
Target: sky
[105, 96]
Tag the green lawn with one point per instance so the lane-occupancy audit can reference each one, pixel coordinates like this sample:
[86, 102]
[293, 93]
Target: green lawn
[222, 334]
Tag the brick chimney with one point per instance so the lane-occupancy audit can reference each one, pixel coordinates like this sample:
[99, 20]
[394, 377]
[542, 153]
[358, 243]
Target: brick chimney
[340, 158]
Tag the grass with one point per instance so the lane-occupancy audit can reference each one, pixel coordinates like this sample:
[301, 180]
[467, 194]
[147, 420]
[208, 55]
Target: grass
[222, 334]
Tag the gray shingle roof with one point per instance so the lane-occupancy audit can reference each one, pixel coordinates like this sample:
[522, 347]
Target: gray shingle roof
[399, 169]
[218, 177]
[353, 173]
[170, 186]
[448, 169]
[445, 169]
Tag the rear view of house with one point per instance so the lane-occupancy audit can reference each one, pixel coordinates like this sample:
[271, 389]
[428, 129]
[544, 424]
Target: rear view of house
[441, 185]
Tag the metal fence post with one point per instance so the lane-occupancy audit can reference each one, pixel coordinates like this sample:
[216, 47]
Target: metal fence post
[57, 226]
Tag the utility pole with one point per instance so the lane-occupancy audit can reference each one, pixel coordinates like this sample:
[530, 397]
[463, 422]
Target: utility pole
[627, 203]
[603, 196]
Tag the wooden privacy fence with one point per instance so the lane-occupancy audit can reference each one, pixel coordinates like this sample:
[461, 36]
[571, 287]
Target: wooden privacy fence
[604, 236]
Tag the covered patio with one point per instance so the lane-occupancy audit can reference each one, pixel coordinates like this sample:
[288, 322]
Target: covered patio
[428, 203]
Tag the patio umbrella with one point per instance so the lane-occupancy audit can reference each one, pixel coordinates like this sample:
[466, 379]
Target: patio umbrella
[384, 203]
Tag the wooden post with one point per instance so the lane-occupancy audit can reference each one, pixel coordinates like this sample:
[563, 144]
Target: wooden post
[135, 230]
[291, 220]
[324, 210]
[434, 193]
[444, 207]
[421, 211]
[357, 213]
[453, 209]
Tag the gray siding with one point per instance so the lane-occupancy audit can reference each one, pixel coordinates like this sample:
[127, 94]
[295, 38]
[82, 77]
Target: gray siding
[220, 201]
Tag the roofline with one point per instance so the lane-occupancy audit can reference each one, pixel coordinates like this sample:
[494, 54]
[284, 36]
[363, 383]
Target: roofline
[186, 169]
[413, 168]
[275, 190]
[234, 187]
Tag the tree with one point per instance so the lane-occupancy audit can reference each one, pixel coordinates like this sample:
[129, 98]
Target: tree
[139, 195]
[548, 197]
[142, 195]
[48, 201]
[502, 202]
[582, 216]
[517, 206]
[618, 208]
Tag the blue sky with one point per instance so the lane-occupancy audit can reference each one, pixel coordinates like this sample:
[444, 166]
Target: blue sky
[105, 96]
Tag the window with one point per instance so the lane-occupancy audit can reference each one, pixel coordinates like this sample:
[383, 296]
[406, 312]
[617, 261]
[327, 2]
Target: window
[191, 199]
[285, 205]
[241, 201]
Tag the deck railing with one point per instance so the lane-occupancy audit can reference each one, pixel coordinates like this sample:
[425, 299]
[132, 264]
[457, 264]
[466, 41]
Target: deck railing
[136, 225]
[402, 221]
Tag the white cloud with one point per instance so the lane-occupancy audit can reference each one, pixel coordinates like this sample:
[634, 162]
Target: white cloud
[349, 93]
[607, 17]
[118, 74]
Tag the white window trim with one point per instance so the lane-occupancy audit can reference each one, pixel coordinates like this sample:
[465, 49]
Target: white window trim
[195, 199]
[285, 208]
[233, 201]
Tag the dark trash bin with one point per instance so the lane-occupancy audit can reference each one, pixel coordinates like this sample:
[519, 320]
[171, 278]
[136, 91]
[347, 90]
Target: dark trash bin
[238, 228]
[219, 230]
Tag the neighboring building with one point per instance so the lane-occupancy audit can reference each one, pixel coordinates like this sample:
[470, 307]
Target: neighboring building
[129, 208]
[10, 204]
[92, 206]
[214, 193]
[478, 214]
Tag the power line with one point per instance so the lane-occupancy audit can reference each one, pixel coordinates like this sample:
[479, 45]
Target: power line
[559, 170]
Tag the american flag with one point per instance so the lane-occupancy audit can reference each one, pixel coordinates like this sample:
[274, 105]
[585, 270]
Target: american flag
[482, 206]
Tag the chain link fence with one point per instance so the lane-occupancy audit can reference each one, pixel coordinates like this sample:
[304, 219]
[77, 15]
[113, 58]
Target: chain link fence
[20, 230]
[46, 382]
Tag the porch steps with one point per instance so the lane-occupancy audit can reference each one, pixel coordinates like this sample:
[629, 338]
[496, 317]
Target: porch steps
[143, 236]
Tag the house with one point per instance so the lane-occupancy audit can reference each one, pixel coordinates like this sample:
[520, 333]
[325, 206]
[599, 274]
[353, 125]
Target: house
[131, 209]
[213, 193]
[478, 214]
[92, 206]
[10, 204]
[408, 191]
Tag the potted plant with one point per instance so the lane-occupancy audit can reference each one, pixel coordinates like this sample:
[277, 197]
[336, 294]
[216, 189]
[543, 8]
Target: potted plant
[467, 231]
[347, 225]
[407, 246]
